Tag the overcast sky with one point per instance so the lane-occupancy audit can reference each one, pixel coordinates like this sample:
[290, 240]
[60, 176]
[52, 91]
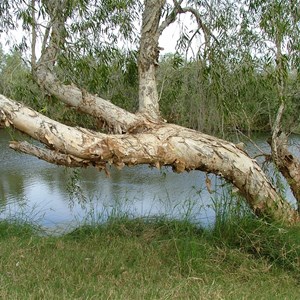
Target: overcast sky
[167, 40]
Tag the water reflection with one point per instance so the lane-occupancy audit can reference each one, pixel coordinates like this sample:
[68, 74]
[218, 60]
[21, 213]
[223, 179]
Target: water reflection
[53, 195]
[31, 186]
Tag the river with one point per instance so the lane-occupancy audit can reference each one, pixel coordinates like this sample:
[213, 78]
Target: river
[56, 197]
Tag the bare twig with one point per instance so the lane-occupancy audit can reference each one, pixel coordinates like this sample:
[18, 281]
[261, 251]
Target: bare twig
[262, 153]
[276, 130]
[280, 90]
[201, 25]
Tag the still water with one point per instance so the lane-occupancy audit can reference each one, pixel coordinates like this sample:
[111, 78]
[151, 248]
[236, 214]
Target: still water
[54, 196]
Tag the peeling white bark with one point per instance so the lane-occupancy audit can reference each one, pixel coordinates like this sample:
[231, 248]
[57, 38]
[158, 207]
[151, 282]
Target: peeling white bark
[148, 59]
[148, 95]
[162, 145]
[118, 120]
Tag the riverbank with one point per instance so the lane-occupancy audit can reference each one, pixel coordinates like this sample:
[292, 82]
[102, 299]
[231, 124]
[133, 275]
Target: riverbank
[151, 259]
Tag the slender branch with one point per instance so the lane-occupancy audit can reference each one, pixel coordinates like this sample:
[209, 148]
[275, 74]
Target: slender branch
[33, 36]
[276, 131]
[191, 39]
[171, 17]
[55, 10]
[201, 25]
[280, 92]
[45, 39]
[52, 156]
[262, 153]
[286, 162]
[180, 10]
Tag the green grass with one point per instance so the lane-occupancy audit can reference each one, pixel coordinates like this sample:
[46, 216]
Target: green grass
[142, 259]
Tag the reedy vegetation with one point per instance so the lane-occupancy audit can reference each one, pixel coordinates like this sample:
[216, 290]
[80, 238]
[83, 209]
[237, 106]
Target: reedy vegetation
[216, 99]
[228, 82]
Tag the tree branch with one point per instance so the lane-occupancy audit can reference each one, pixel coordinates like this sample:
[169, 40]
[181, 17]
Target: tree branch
[45, 39]
[288, 165]
[162, 145]
[180, 10]
[171, 17]
[275, 132]
[195, 12]
[117, 120]
[53, 157]
[33, 36]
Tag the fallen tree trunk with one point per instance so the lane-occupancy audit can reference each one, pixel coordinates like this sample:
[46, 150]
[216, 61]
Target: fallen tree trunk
[160, 145]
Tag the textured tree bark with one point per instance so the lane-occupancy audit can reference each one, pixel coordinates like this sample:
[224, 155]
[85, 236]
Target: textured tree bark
[161, 145]
[288, 165]
[148, 59]
[116, 119]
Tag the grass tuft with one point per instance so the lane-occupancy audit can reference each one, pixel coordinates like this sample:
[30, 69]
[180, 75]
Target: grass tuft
[16, 228]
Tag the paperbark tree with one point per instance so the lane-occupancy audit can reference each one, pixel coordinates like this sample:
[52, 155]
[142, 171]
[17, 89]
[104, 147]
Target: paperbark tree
[279, 23]
[135, 138]
[284, 160]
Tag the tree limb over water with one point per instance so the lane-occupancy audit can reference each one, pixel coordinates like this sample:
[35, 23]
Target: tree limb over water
[136, 138]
